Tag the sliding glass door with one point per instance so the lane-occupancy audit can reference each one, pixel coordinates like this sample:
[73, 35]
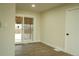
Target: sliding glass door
[28, 28]
[23, 29]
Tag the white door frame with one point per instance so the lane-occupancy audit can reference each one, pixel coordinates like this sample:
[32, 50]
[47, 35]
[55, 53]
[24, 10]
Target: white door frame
[34, 28]
[69, 9]
[28, 41]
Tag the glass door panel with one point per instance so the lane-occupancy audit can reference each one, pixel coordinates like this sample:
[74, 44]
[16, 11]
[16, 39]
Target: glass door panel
[28, 28]
[18, 29]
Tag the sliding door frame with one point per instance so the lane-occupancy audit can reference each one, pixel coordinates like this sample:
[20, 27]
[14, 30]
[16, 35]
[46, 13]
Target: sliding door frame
[34, 28]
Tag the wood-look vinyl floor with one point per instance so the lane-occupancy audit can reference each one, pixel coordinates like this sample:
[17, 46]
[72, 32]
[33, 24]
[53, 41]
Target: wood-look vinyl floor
[37, 49]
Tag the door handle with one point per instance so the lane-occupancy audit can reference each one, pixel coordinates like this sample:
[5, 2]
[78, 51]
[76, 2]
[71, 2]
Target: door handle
[67, 34]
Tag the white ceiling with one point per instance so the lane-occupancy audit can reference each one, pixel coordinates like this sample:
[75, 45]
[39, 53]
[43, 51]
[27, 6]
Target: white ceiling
[40, 7]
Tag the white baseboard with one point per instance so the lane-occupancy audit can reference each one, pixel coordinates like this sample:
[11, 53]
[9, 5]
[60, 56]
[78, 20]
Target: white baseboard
[56, 48]
[26, 42]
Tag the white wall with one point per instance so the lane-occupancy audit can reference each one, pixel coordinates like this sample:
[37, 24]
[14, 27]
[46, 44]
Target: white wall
[7, 20]
[36, 26]
[53, 26]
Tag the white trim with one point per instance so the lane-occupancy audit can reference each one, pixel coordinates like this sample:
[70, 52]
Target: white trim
[34, 28]
[26, 42]
[73, 8]
[56, 48]
[68, 10]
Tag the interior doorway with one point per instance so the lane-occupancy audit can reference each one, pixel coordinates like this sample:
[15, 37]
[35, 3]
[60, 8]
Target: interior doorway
[23, 29]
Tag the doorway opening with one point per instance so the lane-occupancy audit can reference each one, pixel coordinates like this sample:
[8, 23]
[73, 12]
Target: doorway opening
[23, 29]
